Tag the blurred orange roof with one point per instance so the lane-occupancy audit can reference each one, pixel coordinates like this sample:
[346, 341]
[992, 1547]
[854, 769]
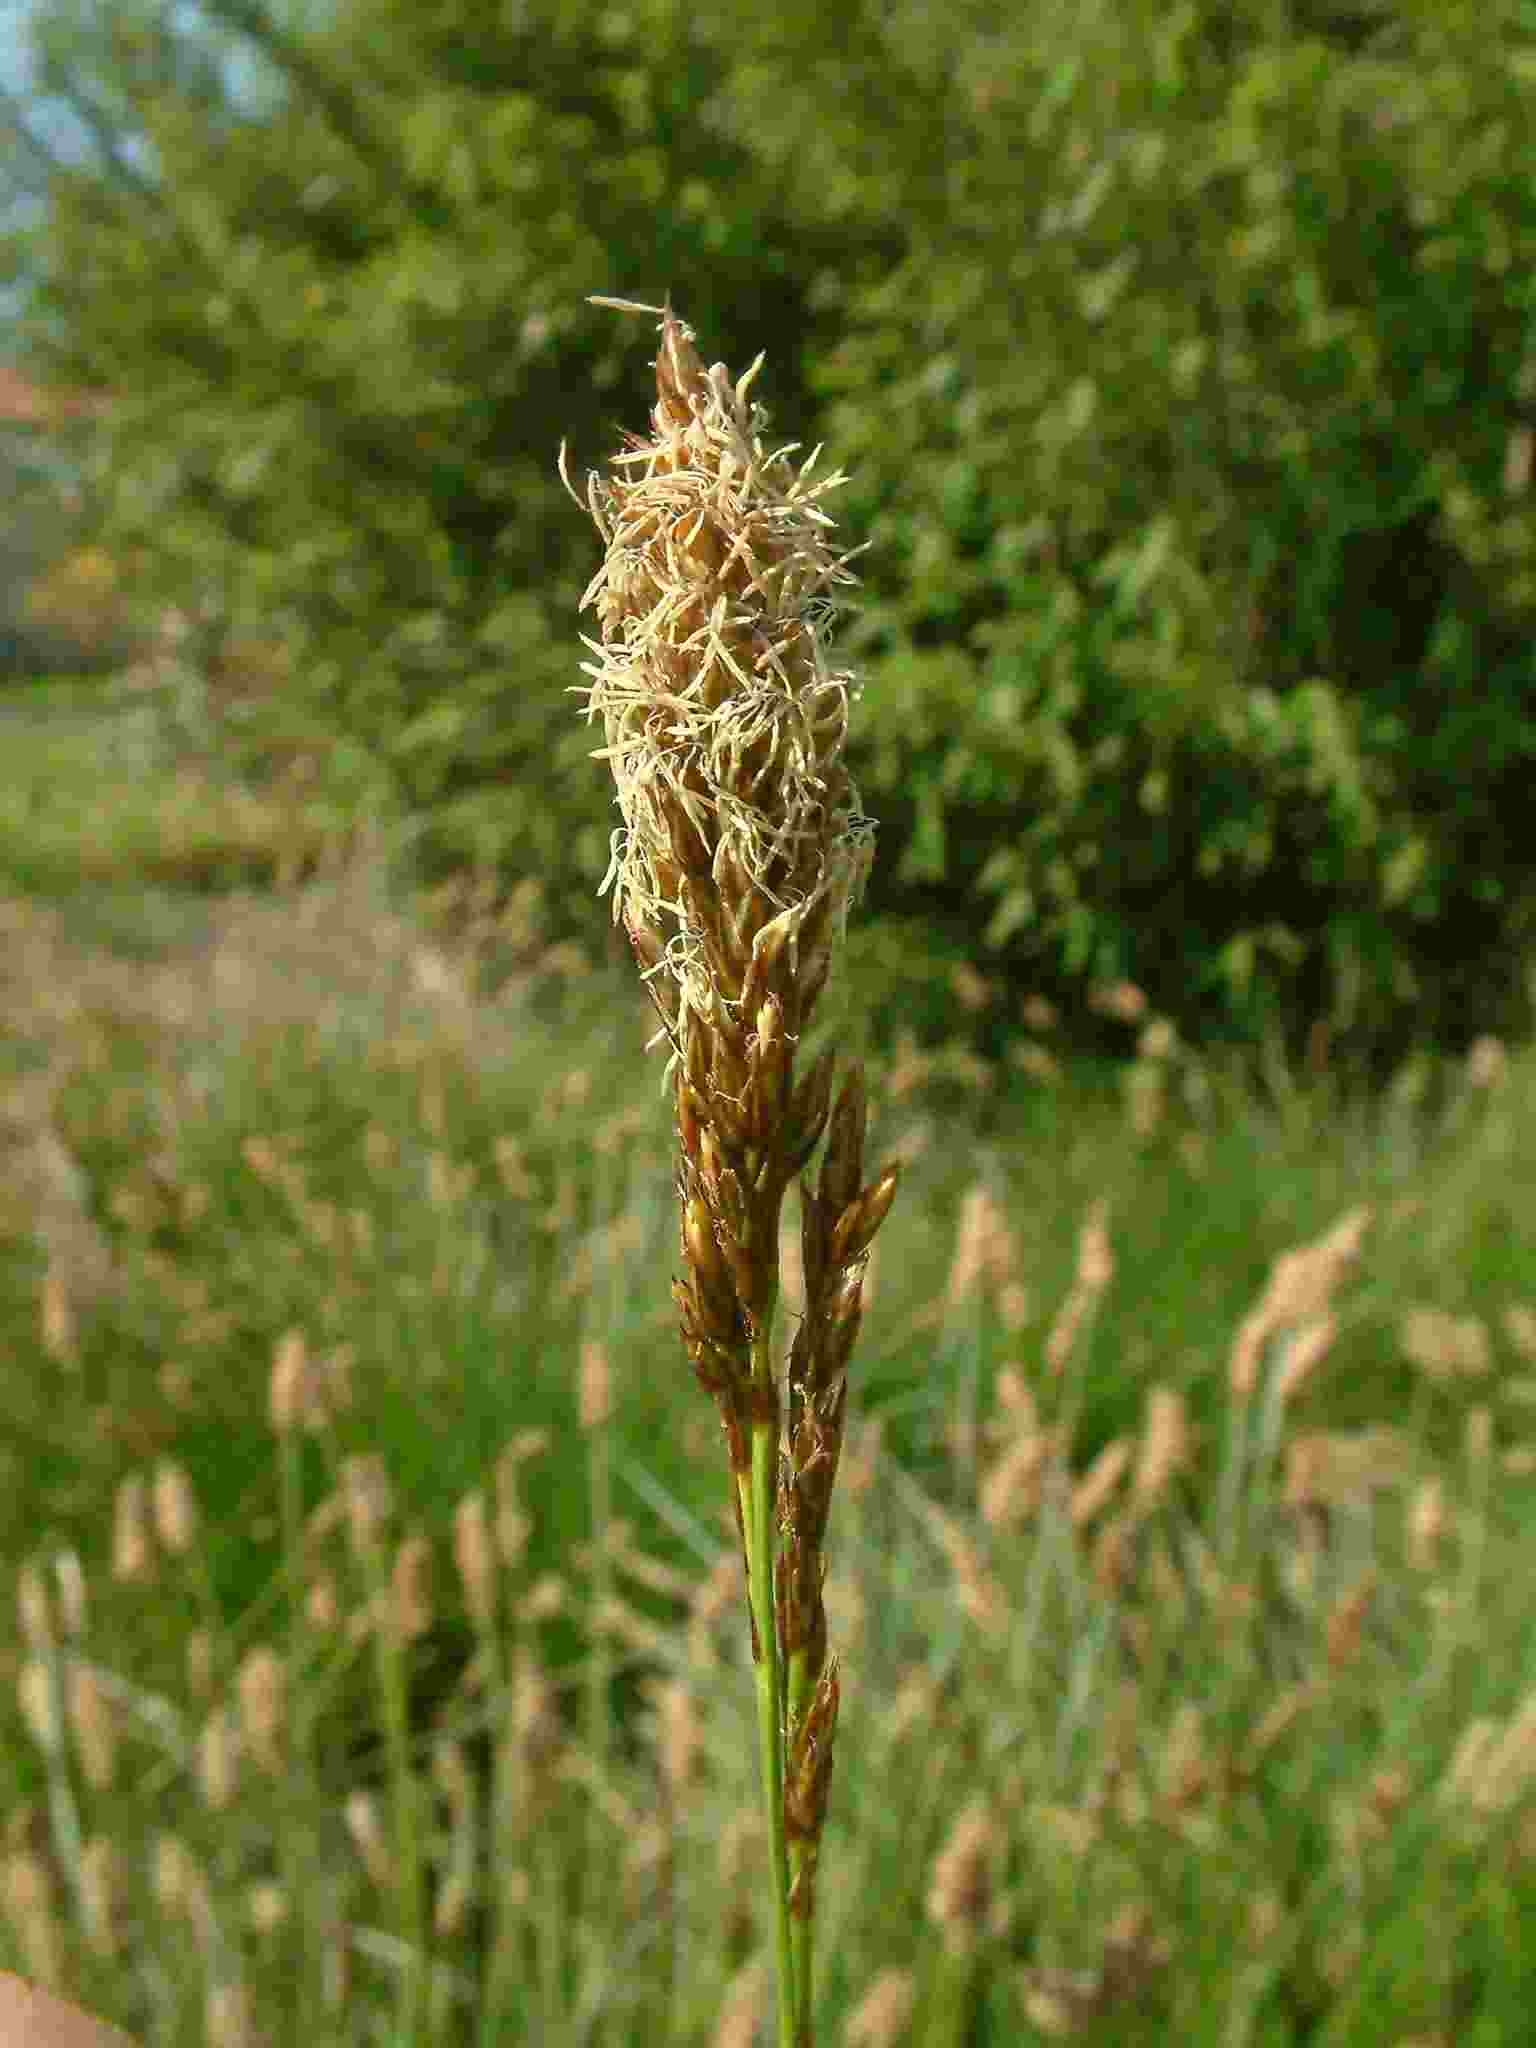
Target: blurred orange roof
[23, 403]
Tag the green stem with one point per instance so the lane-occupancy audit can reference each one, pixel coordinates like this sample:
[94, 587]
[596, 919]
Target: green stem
[501, 1933]
[949, 2006]
[299, 1847]
[410, 1896]
[757, 1505]
[599, 1659]
[801, 1928]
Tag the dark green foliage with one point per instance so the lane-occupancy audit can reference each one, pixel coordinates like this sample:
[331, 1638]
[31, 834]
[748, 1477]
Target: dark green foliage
[1194, 436]
[1182, 358]
[348, 338]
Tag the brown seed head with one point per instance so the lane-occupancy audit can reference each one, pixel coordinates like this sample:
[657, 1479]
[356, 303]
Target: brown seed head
[881, 2018]
[1165, 1446]
[289, 1387]
[218, 1755]
[368, 1838]
[366, 1492]
[103, 1898]
[411, 1588]
[266, 1906]
[175, 1509]
[475, 1556]
[34, 1693]
[132, 1562]
[94, 1726]
[227, 2015]
[261, 1685]
[725, 726]
[594, 1386]
[1426, 1524]
[960, 1890]
[28, 1894]
[32, 1608]
[70, 1575]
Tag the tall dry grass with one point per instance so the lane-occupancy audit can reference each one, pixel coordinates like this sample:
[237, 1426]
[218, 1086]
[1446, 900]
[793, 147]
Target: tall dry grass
[1189, 1680]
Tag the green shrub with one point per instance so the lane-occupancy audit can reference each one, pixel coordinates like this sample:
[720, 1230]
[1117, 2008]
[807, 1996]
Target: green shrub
[1180, 359]
[1192, 433]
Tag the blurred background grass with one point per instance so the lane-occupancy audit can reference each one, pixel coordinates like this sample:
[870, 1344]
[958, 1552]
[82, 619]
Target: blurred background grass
[264, 1104]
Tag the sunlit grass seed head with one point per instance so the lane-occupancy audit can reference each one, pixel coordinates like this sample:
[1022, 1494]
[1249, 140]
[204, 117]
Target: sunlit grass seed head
[742, 851]
[725, 723]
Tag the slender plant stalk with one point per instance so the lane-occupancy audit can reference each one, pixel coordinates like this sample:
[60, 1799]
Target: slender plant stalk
[298, 1839]
[757, 1499]
[600, 1660]
[368, 1508]
[407, 1846]
[742, 851]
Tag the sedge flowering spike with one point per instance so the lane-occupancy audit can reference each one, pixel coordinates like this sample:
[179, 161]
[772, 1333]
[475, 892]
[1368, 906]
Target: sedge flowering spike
[742, 851]
[725, 724]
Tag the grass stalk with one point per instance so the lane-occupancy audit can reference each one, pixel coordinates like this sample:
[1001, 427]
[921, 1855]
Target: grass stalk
[501, 1932]
[409, 1889]
[757, 1502]
[300, 1859]
[600, 1662]
[368, 1507]
[742, 853]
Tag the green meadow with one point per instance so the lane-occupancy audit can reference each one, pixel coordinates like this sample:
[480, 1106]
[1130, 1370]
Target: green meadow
[376, 1616]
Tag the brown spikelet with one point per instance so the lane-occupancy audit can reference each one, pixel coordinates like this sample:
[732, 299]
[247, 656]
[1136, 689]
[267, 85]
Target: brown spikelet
[475, 1558]
[960, 1887]
[679, 1736]
[175, 1508]
[34, 1695]
[70, 1577]
[200, 1662]
[227, 2015]
[93, 1725]
[132, 1560]
[595, 1386]
[1446, 1347]
[367, 1498]
[289, 1389]
[368, 1837]
[266, 1906]
[322, 1603]
[181, 1888]
[1165, 1446]
[1297, 1296]
[985, 1248]
[1305, 1352]
[33, 1609]
[103, 1895]
[411, 1588]
[1096, 1488]
[882, 2015]
[262, 1688]
[1426, 1525]
[737, 2025]
[58, 1325]
[1346, 1623]
[218, 1754]
[29, 1894]
[1095, 1271]
[1487, 1057]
